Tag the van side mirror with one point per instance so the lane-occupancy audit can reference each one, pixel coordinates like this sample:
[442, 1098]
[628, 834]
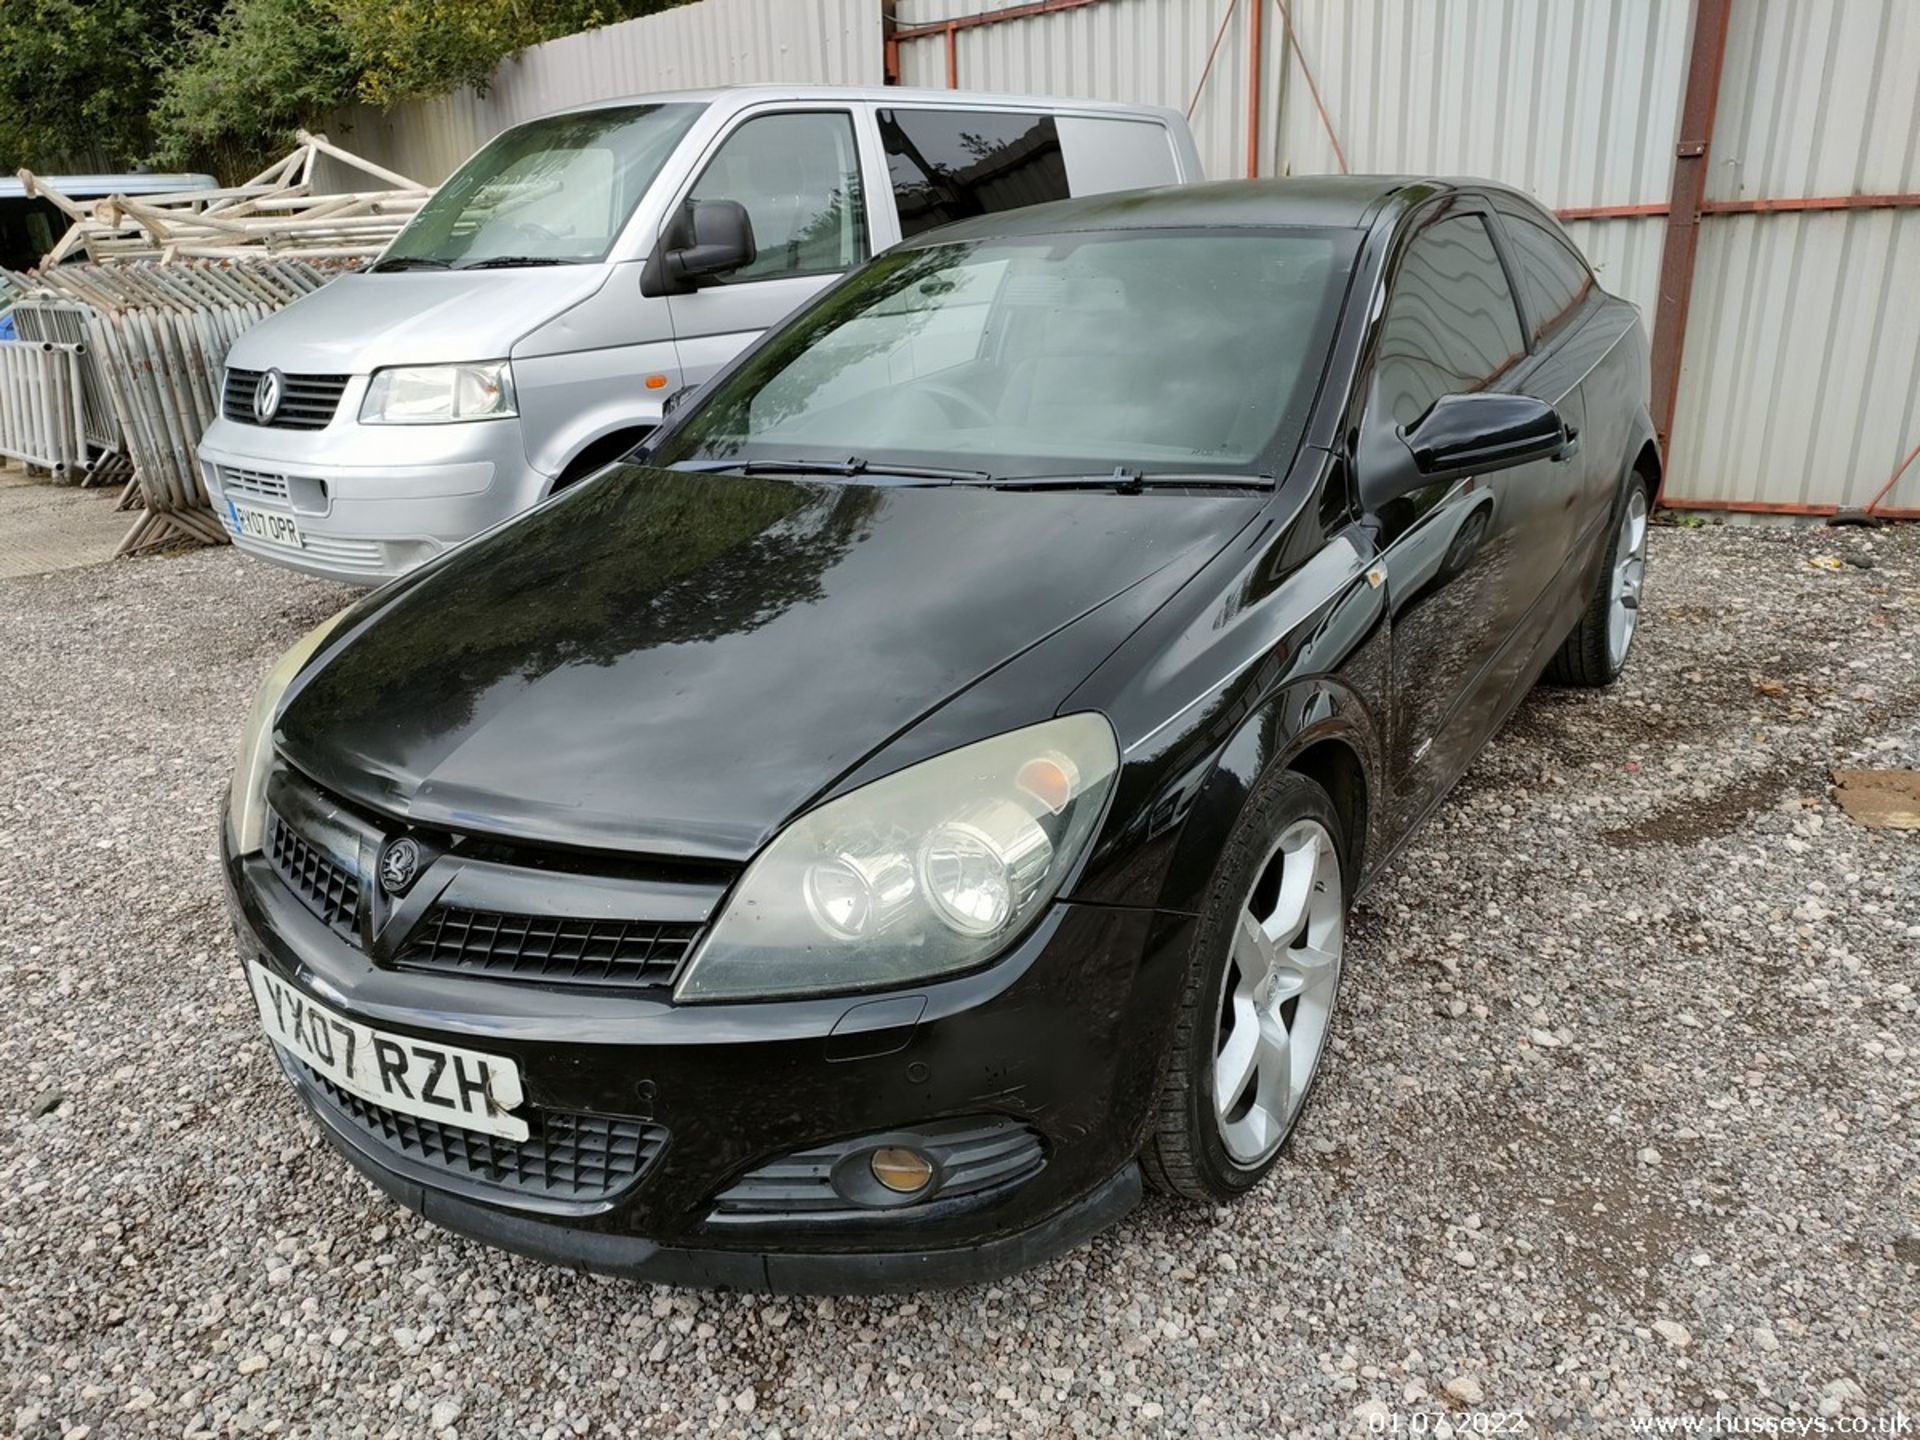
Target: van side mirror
[1467, 435]
[705, 240]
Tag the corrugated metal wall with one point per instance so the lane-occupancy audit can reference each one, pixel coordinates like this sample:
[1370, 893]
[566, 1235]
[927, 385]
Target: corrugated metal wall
[1573, 100]
[716, 42]
[1149, 51]
[1801, 379]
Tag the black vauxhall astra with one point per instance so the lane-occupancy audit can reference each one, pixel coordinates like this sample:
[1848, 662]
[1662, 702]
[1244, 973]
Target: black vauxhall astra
[855, 842]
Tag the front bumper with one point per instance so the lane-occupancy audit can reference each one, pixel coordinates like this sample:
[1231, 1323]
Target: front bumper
[371, 502]
[1065, 1037]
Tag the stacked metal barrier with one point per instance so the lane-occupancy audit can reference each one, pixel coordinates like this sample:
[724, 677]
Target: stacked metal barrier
[64, 322]
[42, 404]
[160, 335]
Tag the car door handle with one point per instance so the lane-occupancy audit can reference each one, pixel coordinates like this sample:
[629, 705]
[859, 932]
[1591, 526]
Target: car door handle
[1570, 449]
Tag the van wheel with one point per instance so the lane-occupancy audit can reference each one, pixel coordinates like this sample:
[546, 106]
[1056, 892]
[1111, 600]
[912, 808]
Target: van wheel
[1259, 997]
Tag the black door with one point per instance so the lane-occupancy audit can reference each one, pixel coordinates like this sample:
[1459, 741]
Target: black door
[1462, 558]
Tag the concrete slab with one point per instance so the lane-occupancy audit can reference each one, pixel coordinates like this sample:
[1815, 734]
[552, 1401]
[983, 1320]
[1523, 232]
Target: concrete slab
[56, 527]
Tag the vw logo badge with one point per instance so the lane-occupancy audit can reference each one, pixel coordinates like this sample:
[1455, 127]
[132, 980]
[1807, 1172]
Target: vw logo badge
[398, 866]
[266, 396]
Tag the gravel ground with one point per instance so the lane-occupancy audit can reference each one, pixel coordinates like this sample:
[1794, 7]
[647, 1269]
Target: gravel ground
[1622, 1117]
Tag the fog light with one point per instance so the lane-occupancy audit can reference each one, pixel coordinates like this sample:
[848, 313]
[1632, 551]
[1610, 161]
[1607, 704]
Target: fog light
[901, 1170]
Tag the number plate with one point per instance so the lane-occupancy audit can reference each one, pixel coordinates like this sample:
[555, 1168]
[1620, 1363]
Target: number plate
[402, 1072]
[265, 525]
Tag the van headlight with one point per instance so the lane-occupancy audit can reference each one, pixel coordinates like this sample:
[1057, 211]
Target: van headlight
[247, 796]
[439, 394]
[927, 872]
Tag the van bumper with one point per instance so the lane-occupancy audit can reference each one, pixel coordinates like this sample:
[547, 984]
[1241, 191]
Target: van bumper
[369, 503]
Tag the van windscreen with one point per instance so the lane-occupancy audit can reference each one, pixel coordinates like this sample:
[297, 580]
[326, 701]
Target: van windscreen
[551, 192]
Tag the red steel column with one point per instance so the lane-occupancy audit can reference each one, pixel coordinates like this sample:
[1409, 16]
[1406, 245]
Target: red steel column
[1255, 13]
[1690, 159]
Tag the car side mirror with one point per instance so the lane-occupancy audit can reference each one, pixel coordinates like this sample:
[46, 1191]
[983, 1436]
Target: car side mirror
[705, 240]
[1467, 435]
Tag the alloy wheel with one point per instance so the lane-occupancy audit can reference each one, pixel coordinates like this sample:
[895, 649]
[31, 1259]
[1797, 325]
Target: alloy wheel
[1276, 1001]
[1629, 575]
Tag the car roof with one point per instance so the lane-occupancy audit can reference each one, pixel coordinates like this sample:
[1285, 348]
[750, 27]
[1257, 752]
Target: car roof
[1315, 201]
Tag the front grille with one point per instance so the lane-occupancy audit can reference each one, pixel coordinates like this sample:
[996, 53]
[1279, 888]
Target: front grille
[577, 1158]
[307, 402]
[325, 886]
[257, 484]
[550, 948]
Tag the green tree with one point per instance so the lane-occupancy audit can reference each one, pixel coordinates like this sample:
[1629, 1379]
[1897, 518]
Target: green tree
[223, 84]
[78, 78]
[236, 91]
[416, 49]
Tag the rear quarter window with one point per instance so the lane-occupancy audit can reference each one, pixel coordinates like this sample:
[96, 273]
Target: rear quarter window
[1553, 279]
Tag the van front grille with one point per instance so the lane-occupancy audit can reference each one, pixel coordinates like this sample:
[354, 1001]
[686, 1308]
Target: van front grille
[307, 402]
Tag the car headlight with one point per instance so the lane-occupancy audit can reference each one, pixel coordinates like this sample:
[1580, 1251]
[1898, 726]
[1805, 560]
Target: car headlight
[247, 798]
[438, 394]
[927, 872]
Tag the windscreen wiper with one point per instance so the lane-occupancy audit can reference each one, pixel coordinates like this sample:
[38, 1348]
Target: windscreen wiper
[410, 262]
[851, 467]
[1125, 480]
[514, 262]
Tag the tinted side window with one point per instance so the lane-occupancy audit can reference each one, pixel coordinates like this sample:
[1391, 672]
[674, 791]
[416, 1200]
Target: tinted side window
[1450, 325]
[1553, 278]
[798, 174]
[953, 164]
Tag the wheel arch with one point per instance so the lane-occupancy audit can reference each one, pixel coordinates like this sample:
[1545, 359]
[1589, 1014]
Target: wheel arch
[600, 451]
[1647, 464]
[1318, 728]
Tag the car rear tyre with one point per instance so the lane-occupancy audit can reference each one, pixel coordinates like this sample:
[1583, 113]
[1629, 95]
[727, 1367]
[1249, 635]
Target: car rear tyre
[1595, 652]
[1259, 997]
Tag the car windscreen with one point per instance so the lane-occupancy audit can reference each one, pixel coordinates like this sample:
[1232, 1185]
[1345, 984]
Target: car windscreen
[1045, 355]
[552, 191]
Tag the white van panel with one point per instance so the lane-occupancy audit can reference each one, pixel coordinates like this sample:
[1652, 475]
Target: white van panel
[1116, 154]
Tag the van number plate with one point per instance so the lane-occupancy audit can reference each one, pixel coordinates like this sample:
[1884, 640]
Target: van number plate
[265, 525]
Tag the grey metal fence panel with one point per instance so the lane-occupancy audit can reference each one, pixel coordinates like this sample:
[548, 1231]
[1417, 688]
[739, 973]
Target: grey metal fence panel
[40, 420]
[65, 323]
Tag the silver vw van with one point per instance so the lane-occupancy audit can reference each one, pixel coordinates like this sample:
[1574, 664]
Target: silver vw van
[529, 324]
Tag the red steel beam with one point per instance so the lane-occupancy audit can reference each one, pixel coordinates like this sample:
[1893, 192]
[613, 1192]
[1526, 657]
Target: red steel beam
[1313, 88]
[1702, 100]
[1789, 204]
[1785, 205]
[953, 57]
[1255, 13]
[890, 41]
[1610, 212]
[990, 17]
[1776, 507]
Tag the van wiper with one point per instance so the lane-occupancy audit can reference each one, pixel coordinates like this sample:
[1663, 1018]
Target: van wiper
[514, 262]
[851, 467]
[410, 262]
[1125, 480]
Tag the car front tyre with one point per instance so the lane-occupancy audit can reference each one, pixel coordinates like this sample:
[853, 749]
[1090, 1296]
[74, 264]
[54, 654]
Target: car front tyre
[1259, 998]
[1595, 652]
